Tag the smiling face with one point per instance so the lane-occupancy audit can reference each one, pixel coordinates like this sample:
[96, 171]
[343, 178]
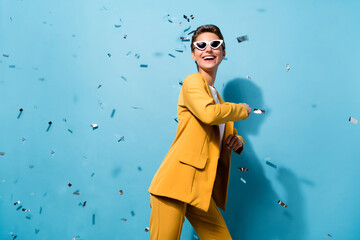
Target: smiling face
[208, 59]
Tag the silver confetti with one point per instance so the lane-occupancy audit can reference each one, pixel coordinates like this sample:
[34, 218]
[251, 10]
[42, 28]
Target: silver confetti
[243, 38]
[243, 180]
[353, 120]
[258, 111]
[288, 67]
[94, 126]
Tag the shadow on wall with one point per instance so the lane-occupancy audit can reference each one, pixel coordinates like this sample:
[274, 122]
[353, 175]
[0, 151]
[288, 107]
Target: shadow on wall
[252, 211]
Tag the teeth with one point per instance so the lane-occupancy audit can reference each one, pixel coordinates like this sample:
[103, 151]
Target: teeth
[208, 58]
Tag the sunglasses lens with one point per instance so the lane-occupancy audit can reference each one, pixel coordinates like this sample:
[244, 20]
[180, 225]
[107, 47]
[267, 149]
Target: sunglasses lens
[201, 45]
[215, 44]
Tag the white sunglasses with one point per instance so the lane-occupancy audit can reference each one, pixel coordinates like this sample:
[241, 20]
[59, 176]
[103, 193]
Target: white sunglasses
[214, 44]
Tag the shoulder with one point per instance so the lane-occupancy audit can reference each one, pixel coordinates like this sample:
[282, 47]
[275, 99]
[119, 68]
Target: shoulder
[194, 79]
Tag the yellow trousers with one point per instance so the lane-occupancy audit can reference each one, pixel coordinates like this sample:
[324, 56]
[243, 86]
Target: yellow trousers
[168, 215]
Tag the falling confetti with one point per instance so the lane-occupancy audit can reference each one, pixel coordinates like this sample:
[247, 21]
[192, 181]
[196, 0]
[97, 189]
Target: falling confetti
[70, 131]
[242, 38]
[171, 55]
[137, 55]
[187, 29]
[147, 229]
[121, 192]
[109, 54]
[271, 164]
[180, 83]
[143, 65]
[84, 204]
[288, 67]
[76, 192]
[353, 120]
[16, 203]
[93, 219]
[139, 168]
[132, 213]
[282, 204]
[248, 77]
[243, 169]
[176, 120]
[191, 32]
[124, 78]
[112, 113]
[179, 50]
[92, 174]
[5, 55]
[185, 39]
[124, 219]
[128, 53]
[50, 123]
[20, 112]
[258, 111]
[125, 36]
[37, 230]
[99, 86]
[328, 235]
[69, 184]
[2, 153]
[94, 126]
[243, 180]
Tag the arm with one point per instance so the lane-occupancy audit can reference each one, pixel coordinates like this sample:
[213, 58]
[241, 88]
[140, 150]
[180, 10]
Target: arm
[196, 99]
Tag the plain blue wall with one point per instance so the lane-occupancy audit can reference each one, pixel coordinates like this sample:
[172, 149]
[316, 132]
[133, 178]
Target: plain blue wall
[60, 52]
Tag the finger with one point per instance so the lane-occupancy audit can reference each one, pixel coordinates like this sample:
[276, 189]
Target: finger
[238, 145]
[229, 139]
[233, 141]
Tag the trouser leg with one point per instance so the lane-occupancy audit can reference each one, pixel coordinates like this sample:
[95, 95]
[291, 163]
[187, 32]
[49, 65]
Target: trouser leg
[167, 218]
[208, 225]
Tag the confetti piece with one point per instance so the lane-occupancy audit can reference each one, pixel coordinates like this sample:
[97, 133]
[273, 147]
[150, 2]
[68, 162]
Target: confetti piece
[76, 192]
[147, 229]
[191, 32]
[353, 120]
[258, 111]
[328, 235]
[112, 113]
[143, 65]
[84, 204]
[16, 203]
[122, 139]
[25, 210]
[69, 184]
[124, 219]
[124, 78]
[282, 204]
[52, 153]
[176, 120]
[136, 107]
[74, 238]
[121, 192]
[137, 56]
[99, 86]
[271, 164]
[171, 55]
[20, 112]
[31, 166]
[2, 153]
[248, 77]
[109, 54]
[37, 230]
[288, 67]
[40, 211]
[125, 36]
[243, 169]
[94, 126]
[180, 83]
[187, 29]
[50, 123]
[92, 174]
[93, 219]
[117, 25]
[70, 131]
[242, 38]
[132, 213]
[186, 18]
[179, 50]
[23, 139]
[19, 208]
[41, 79]
[14, 236]
[5, 55]
[139, 168]
[192, 16]
[128, 53]
[28, 217]
[11, 66]
[243, 180]
[185, 39]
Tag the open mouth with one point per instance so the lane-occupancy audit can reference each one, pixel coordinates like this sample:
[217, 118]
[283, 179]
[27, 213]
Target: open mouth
[209, 58]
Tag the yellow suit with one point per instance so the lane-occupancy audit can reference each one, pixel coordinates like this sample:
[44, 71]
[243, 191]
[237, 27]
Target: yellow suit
[192, 171]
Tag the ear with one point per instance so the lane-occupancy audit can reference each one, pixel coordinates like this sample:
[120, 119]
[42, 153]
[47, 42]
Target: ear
[193, 56]
[224, 54]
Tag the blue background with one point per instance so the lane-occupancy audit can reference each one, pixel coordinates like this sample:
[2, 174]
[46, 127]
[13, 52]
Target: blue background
[58, 57]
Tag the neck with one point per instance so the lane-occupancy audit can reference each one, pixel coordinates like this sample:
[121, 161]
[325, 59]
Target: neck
[209, 75]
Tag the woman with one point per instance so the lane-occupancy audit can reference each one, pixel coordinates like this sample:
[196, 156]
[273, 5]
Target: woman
[193, 178]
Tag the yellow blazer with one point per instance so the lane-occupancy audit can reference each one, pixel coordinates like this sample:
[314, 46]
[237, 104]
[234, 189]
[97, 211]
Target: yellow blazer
[192, 171]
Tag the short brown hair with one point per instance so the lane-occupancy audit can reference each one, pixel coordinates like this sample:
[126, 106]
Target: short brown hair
[206, 28]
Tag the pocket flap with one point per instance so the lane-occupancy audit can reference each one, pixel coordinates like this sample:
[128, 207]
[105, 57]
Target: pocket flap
[197, 161]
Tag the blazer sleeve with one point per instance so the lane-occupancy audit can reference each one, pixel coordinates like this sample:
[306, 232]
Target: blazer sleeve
[242, 140]
[198, 101]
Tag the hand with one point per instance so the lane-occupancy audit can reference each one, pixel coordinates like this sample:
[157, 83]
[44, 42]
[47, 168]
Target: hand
[233, 142]
[248, 109]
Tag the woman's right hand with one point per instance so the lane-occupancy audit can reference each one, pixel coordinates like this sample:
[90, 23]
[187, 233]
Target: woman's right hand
[248, 109]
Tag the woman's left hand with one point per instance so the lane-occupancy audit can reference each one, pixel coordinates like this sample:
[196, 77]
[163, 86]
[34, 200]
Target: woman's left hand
[233, 142]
